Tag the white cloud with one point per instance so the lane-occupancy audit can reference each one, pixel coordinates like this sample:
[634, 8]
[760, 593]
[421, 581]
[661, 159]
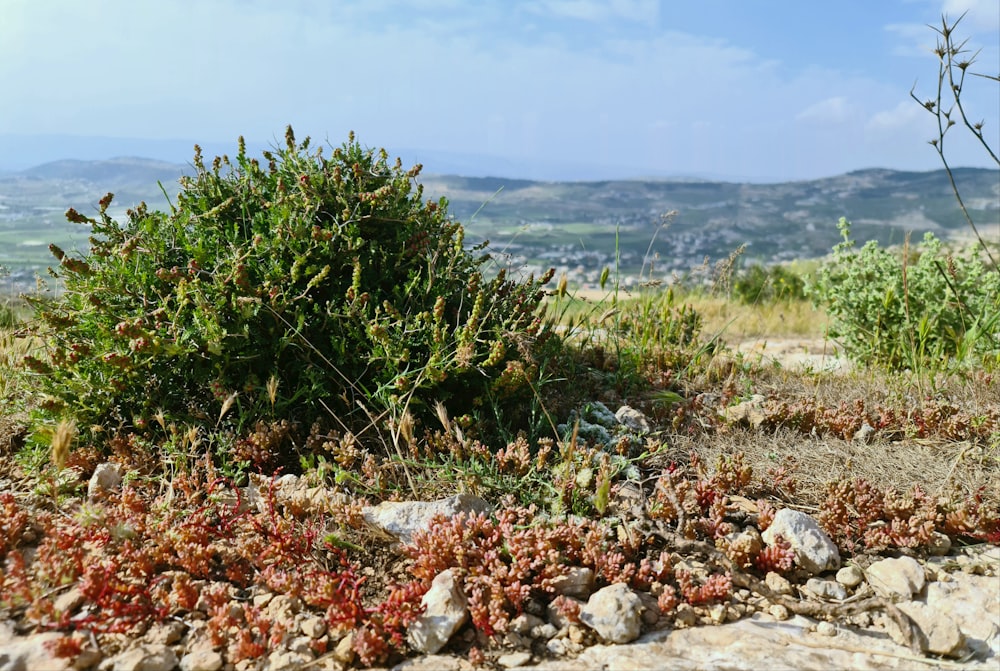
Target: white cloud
[907, 114]
[835, 110]
[597, 10]
[980, 25]
[980, 15]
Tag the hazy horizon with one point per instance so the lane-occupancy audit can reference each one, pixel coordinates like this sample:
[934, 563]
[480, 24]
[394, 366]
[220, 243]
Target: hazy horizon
[180, 152]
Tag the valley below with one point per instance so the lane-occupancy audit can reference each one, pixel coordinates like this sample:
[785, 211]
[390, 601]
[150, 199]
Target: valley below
[647, 230]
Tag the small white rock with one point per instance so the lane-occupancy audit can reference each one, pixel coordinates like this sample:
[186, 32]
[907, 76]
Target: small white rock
[897, 578]
[778, 612]
[814, 550]
[445, 611]
[313, 627]
[556, 646]
[633, 419]
[147, 657]
[576, 581]
[939, 545]
[106, 477]
[514, 659]
[201, 660]
[344, 651]
[615, 613]
[939, 635]
[778, 583]
[826, 589]
[850, 576]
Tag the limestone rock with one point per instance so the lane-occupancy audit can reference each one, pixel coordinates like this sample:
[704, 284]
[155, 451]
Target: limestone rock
[749, 412]
[778, 612]
[69, 601]
[939, 545]
[281, 660]
[283, 607]
[165, 633]
[313, 627]
[404, 518]
[514, 659]
[577, 582]
[973, 603]
[814, 551]
[850, 576]
[939, 635]
[752, 644]
[106, 477]
[864, 434]
[615, 613]
[777, 583]
[147, 657]
[826, 589]
[201, 660]
[633, 419]
[524, 623]
[30, 652]
[544, 631]
[435, 663]
[344, 651]
[445, 610]
[826, 629]
[896, 578]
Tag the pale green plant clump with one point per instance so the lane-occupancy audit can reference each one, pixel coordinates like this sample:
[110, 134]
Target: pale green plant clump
[305, 287]
[890, 309]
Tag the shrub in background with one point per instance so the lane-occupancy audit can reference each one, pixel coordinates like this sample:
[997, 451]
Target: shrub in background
[301, 288]
[890, 309]
[759, 284]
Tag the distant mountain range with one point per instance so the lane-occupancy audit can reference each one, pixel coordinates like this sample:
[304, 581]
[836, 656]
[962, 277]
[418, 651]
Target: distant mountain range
[20, 152]
[578, 226]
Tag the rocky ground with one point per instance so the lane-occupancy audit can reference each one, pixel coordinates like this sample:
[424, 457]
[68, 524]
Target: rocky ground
[938, 607]
[825, 615]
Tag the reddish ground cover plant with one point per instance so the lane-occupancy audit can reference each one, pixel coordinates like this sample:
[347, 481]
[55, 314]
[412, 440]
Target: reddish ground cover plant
[931, 418]
[149, 551]
[138, 557]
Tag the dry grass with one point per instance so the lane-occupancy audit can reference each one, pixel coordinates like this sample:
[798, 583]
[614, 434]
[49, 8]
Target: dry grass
[737, 322]
[734, 322]
[13, 349]
[941, 466]
[938, 467]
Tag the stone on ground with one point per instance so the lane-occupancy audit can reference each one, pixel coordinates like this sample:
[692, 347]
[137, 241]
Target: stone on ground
[814, 550]
[615, 613]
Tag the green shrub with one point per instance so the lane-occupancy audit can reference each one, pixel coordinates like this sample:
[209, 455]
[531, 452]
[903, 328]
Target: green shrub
[937, 307]
[757, 284]
[307, 288]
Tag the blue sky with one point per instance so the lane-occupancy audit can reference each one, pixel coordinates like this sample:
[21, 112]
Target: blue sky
[760, 90]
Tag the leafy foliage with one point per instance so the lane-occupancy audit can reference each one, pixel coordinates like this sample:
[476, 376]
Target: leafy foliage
[310, 286]
[758, 284]
[902, 312]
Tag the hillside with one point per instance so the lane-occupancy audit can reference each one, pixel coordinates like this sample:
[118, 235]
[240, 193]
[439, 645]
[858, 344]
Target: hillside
[576, 226]
[555, 222]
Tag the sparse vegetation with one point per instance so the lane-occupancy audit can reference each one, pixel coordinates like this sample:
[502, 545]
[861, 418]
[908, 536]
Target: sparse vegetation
[316, 316]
